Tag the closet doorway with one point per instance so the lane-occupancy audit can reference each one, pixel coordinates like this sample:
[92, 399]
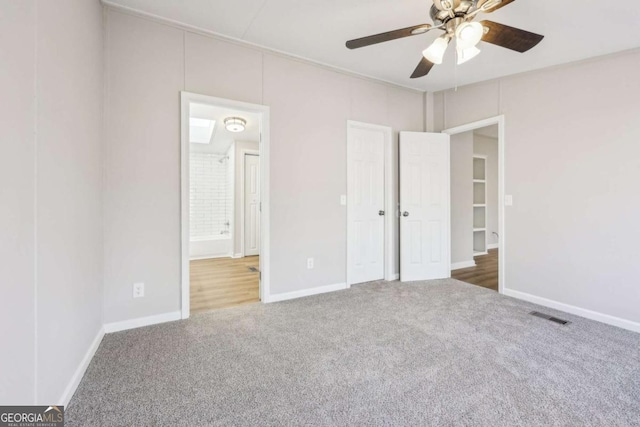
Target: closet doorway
[477, 203]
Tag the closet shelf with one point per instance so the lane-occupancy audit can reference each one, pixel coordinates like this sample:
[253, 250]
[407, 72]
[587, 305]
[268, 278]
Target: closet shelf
[480, 230]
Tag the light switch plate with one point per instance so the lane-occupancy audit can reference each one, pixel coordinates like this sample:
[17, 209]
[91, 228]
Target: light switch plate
[508, 200]
[309, 263]
[343, 200]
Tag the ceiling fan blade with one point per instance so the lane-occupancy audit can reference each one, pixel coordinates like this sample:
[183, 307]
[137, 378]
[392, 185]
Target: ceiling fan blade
[503, 3]
[422, 69]
[509, 37]
[390, 35]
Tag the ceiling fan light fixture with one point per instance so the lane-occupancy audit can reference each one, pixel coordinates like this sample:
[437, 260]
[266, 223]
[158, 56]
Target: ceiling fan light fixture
[455, 17]
[469, 34]
[467, 54]
[235, 124]
[435, 52]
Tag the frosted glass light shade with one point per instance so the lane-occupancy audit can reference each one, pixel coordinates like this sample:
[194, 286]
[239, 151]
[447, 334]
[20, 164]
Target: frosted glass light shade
[469, 34]
[467, 54]
[435, 52]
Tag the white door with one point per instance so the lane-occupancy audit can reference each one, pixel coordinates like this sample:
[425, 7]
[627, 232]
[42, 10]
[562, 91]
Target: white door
[365, 202]
[424, 206]
[251, 205]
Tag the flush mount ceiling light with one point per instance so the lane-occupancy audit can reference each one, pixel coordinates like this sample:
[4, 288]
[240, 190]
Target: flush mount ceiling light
[235, 124]
[455, 17]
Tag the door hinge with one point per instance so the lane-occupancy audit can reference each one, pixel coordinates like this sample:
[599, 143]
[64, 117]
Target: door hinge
[260, 207]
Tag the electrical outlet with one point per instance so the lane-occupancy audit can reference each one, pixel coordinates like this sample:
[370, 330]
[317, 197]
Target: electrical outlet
[343, 200]
[138, 290]
[309, 263]
[508, 200]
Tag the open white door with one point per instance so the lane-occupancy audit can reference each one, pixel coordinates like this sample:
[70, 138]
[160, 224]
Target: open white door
[251, 205]
[424, 206]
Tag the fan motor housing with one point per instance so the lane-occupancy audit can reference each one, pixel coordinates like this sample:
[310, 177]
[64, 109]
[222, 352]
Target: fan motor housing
[440, 16]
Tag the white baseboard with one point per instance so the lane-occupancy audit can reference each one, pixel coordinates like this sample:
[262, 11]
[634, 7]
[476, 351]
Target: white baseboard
[238, 255]
[196, 258]
[82, 368]
[463, 264]
[582, 312]
[393, 278]
[307, 292]
[493, 246]
[142, 321]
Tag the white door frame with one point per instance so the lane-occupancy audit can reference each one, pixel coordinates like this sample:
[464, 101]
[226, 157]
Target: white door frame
[243, 153]
[263, 111]
[390, 210]
[500, 121]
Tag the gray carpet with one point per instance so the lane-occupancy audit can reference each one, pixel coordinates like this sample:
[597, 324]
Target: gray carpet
[439, 353]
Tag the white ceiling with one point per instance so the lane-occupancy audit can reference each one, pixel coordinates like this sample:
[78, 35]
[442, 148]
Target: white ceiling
[318, 29]
[222, 138]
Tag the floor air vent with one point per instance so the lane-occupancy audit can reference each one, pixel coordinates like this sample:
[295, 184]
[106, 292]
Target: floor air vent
[551, 318]
[255, 270]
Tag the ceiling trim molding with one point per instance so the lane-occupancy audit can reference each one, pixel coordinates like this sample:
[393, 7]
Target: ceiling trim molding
[264, 49]
[550, 68]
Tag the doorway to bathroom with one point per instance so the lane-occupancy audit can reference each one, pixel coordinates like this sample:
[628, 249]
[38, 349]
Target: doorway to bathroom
[224, 204]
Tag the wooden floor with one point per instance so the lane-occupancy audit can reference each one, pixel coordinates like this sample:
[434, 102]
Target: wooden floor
[223, 282]
[484, 274]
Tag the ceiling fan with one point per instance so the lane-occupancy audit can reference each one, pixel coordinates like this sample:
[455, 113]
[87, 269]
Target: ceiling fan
[455, 18]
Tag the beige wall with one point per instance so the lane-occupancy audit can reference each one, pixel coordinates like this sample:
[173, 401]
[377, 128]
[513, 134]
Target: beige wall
[69, 186]
[149, 63]
[488, 146]
[462, 197]
[52, 199]
[573, 167]
[17, 186]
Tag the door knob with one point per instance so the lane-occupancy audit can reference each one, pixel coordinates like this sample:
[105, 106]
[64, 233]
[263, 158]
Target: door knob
[381, 213]
[405, 213]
